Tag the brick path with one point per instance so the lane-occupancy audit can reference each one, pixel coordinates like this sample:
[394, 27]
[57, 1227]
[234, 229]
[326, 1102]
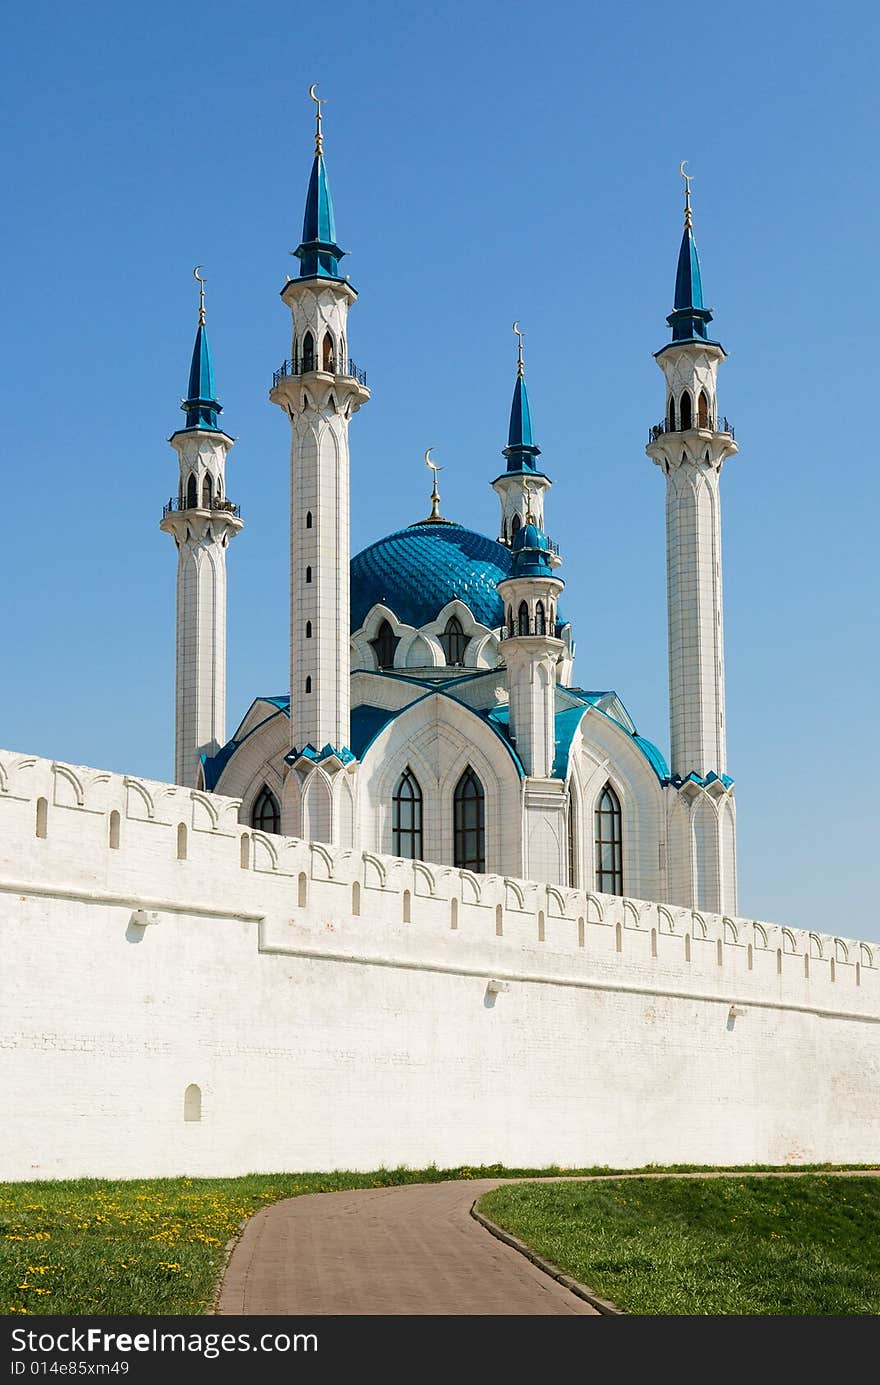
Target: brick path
[415, 1250]
[384, 1251]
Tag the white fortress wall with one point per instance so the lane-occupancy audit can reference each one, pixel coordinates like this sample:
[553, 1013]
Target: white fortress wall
[336, 1008]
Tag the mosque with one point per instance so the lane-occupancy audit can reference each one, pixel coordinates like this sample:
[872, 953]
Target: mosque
[433, 711]
[441, 904]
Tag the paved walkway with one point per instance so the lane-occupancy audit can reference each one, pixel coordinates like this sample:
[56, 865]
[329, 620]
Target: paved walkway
[408, 1250]
[383, 1252]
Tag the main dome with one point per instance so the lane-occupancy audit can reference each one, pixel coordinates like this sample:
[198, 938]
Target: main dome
[417, 571]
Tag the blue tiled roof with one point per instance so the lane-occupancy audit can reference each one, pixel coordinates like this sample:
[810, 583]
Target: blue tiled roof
[367, 721]
[418, 570]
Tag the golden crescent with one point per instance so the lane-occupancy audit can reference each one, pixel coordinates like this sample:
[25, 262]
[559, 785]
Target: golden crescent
[515, 328]
[681, 168]
[312, 93]
[428, 461]
[197, 277]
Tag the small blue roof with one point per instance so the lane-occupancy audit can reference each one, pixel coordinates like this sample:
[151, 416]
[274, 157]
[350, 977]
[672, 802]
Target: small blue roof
[417, 571]
[689, 318]
[369, 720]
[521, 450]
[201, 405]
[531, 550]
[318, 253]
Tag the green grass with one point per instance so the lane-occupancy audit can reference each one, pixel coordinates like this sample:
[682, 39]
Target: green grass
[728, 1245]
[157, 1246]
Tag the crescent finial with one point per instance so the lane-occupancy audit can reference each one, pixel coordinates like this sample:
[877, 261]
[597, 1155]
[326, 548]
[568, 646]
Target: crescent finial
[319, 102]
[519, 348]
[688, 179]
[435, 494]
[201, 283]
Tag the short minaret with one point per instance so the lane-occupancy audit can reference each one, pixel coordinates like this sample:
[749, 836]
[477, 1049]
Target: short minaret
[201, 521]
[530, 647]
[522, 485]
[690, 446]
[319, 389]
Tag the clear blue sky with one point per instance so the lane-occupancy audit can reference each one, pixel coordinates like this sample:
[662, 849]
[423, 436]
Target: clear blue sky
[487, 161]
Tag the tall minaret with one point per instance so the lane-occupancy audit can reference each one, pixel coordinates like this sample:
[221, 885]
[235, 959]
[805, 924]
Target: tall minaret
[201, 521]
[522, 485]
[690, 446]
[319, 389]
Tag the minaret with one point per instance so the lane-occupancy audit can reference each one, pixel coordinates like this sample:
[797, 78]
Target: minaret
[522, 485]
[530, 647]
[201, 521]
[690, 446]
[319, 388]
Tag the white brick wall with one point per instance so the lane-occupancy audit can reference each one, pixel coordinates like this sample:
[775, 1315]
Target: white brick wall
[322, 1037]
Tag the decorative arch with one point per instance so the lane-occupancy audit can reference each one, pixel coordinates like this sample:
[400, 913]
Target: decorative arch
[327, 360]
[686, 411]
[522, 620]
[192, 492]
[317, 808]
[308, 353]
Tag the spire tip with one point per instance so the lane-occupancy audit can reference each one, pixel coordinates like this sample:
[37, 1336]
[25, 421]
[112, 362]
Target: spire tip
[201, 283]
[520, 370]
[319, 134]
[688, 179]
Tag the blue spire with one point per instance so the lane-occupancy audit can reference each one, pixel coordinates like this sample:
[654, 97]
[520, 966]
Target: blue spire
[689, 317]
[521, 450]
[201, 406]
[318, 253]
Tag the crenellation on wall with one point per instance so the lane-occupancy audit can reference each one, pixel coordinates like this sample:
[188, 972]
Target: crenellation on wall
[333, 1006]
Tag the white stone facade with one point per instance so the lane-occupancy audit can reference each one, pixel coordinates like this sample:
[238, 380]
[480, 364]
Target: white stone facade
[333, 1007]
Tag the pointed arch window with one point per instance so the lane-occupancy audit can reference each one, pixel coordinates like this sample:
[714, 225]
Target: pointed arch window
[515, 526]
[192, 493]
[703, 410]
[407, 817]
[510, 621]
[308, 519]
[266, 813]
[540, 619]
[686, 409]
[523, 619]
[572, 838]
[207, 491]
[308, 356]
[327, 353]
[454, 642]
[504, 531]
[609, 843]
[672, 413]
[469, 822]
[385, 645]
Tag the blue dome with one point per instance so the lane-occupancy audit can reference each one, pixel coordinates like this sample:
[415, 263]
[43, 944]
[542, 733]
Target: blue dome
[418, 570]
